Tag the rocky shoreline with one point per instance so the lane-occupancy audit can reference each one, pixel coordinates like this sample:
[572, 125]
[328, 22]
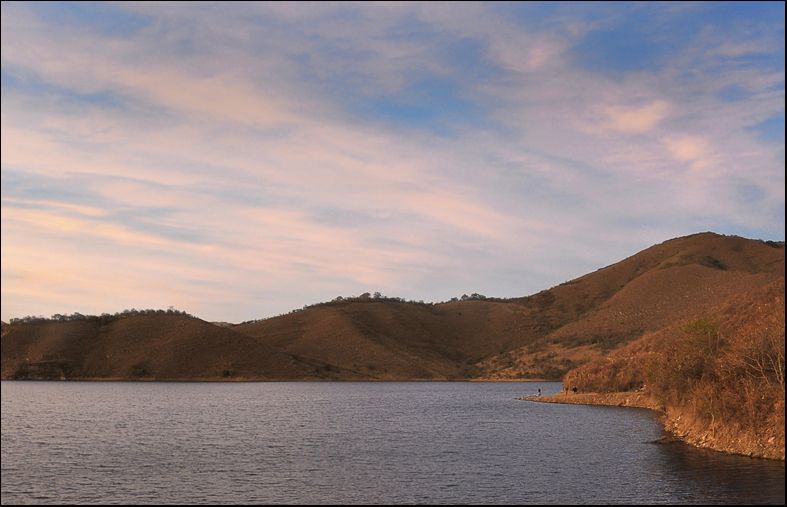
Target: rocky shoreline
[678, 426]
[620, 399]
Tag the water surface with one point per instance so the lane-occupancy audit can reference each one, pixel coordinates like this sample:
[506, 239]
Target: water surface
[353, 442]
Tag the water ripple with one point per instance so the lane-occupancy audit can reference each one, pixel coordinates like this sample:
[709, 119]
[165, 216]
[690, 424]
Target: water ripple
[371, 443]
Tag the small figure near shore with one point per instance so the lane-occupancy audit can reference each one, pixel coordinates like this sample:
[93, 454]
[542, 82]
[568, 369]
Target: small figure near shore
[574, 389]
[539, 392]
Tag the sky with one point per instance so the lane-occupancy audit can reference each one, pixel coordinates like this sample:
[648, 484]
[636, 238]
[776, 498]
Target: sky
[240, 160]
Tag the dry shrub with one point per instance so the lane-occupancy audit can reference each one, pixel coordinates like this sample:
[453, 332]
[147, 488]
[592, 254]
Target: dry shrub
[724, 372]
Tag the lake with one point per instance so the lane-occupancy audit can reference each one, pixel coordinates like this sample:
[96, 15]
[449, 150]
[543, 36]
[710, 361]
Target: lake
[350, 442]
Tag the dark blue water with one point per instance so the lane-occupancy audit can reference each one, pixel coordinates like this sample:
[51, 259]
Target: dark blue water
[400, 442]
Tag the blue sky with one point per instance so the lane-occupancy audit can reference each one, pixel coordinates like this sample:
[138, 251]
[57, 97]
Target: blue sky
[238, 160]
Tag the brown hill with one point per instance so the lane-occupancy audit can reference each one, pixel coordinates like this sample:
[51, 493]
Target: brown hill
[668, 282]
[393, 340]
[540, 336]
[142, 347]
[543, 335]
[720, 377]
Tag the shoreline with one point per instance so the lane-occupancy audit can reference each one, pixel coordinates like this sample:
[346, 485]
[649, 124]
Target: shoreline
[617, 399]
[677, 426]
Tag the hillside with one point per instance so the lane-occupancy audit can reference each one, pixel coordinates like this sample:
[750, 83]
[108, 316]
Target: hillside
[668, 282]
[539, 336]
[142, 347]
[719, 377]
[396, 340]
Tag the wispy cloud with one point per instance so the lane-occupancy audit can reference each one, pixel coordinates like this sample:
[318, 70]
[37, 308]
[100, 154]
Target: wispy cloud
[637, 119]
[241, 160]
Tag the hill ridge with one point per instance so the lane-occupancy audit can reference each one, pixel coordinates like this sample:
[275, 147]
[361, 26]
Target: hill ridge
[542, 335]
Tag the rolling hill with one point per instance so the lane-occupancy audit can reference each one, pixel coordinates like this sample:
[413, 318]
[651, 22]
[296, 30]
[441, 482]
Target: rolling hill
[159, 347]
[539, 336]
[668, 282]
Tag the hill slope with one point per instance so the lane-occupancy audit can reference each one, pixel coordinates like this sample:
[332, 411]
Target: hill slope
[391, 340]
[142, 347]
[668, 282]
[720, 377]
[540, 336]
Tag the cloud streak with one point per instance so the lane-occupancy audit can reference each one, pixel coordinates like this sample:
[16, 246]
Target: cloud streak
[244, 160]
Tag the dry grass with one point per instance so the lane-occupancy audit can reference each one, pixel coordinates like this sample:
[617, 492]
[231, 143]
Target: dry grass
[721, 377]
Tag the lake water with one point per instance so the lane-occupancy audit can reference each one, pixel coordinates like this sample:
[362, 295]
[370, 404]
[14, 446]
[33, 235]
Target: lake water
[310, 442]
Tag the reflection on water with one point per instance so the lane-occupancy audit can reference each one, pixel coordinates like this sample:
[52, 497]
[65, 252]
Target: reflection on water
[302, 442]
[707, 473]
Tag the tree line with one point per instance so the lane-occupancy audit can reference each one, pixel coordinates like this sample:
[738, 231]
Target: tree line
[103, 318]
[379, 297]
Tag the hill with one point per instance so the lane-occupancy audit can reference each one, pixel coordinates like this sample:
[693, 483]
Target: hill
[719, 377]
[392, 340]
[663, 284]
[141, 348]
[539, 336]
